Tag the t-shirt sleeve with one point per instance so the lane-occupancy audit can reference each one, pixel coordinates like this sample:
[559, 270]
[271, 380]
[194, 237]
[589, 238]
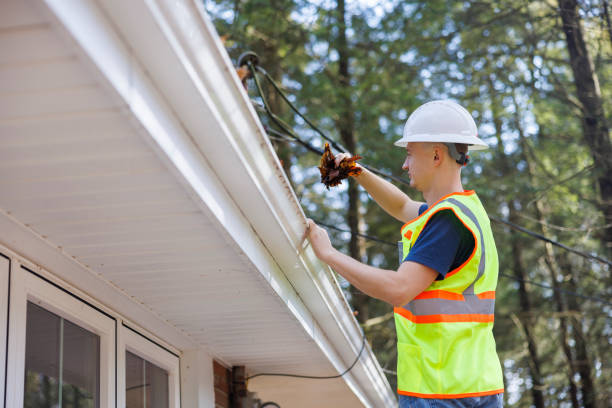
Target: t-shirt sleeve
[444, 243]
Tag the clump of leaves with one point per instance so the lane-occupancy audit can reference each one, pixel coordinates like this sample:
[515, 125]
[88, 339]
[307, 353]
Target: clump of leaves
[332, 175]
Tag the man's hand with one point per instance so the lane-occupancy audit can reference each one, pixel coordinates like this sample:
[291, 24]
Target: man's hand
[341, 156]
[334, 171]
[319, 240]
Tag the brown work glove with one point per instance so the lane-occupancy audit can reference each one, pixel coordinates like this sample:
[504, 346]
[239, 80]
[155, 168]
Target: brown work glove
[332, 173]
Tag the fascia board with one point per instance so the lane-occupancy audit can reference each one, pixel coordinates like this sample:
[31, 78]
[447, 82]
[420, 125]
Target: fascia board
[249, 192]
[279, 221]
[281, 228]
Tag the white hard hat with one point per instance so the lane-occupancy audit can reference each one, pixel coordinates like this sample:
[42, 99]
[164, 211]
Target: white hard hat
[441, 121]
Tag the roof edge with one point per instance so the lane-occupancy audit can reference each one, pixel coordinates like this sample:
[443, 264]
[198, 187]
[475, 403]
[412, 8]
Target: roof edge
[201, 52]
[190, 74]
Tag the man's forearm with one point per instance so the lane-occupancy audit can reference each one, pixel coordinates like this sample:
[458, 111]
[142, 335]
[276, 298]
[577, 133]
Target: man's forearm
[386, 195]
[375, 282]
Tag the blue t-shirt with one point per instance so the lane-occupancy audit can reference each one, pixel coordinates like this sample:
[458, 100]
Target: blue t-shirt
[444, 244]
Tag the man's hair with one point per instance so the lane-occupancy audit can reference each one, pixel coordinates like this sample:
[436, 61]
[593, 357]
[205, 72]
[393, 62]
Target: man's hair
[458, 151]
[461, 147]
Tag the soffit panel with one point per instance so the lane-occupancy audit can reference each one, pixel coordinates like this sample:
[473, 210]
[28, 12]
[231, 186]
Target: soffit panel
[76, 169]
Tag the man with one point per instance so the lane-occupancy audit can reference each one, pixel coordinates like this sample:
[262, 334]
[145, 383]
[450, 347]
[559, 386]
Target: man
[444, 289]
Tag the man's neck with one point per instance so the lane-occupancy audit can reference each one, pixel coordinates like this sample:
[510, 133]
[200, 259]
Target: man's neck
[439, 190]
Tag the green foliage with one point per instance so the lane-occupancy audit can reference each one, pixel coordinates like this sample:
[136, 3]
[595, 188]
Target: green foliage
[507, 62]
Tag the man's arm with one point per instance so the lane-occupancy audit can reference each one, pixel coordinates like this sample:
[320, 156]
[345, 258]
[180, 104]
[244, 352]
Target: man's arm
[391, 199]
[395, 202]
[395, 287]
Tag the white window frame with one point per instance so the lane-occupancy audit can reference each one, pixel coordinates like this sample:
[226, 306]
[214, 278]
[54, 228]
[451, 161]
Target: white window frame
[27, 286]
[131, 340]
[5, 265]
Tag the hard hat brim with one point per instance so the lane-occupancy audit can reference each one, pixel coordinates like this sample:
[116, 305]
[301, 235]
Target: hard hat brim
[474, 143]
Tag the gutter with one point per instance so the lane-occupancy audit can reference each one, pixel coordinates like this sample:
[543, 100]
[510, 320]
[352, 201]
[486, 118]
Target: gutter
[255, 151]
[174, 77]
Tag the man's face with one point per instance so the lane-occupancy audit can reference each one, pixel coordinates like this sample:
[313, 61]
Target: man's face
[417, 164]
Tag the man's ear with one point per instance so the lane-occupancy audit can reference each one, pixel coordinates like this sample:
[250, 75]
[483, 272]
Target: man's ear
[438, 154]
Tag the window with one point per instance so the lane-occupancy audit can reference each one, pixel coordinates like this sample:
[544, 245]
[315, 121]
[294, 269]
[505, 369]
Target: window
[64, 351]
[146, 385]
[61, 349]
[151, 374]
[62, 364]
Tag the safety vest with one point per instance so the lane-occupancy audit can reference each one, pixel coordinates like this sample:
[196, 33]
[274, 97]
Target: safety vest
[445, 342]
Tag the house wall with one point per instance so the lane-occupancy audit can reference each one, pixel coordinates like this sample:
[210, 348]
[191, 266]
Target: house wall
[222, 385]
[197, 379]
[191, 380]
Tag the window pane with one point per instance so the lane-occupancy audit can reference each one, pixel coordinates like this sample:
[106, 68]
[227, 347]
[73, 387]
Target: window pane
[157, 393]
[42, 358]
[54, 346]
[81, 368]
[134, 381]
[146, 384]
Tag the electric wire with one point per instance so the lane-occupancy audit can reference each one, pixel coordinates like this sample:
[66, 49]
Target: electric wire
[546, 239]
[567, 292]
[368, 237]
[297, 111]
[316, 128]
[284, 137]
[316, 377]
[291, 134]
[301, 142]
[308, 146]
[516, 278]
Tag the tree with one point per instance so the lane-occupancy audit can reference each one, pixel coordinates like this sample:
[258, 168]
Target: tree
[594, 123]
[524, 70]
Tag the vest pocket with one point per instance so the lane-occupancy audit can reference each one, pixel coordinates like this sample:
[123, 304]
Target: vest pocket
[409, 367]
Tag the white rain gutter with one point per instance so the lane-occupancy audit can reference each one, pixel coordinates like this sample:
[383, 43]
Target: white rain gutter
[165, 61]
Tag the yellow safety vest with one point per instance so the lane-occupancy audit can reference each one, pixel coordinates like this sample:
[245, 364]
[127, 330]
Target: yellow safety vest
[445, 342]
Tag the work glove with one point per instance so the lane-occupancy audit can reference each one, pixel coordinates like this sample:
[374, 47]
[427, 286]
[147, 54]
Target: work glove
[335, 169]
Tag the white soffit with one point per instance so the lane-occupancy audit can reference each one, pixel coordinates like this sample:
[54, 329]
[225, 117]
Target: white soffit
[122, 162]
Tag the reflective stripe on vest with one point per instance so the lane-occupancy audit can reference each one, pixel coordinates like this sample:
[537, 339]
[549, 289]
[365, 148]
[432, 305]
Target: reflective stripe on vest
[445, 341]
[466, 307]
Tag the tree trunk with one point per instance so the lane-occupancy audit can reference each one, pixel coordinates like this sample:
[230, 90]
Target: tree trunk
[527, 315]
[606, 16]
[583, 363]
[346, 127]
[527, 319]
[553, 269]
[595, 129]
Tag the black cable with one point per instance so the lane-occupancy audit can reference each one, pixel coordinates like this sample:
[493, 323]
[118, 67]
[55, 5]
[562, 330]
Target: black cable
[316, 377]
[546, 239]
[290, 132]
[370, 237]
[304, 144]
[282, 94]
[320, 152]
[386, 175]
[319, 131]
[568, 292]
[542, 285]
[280, 123]
[492, 218]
